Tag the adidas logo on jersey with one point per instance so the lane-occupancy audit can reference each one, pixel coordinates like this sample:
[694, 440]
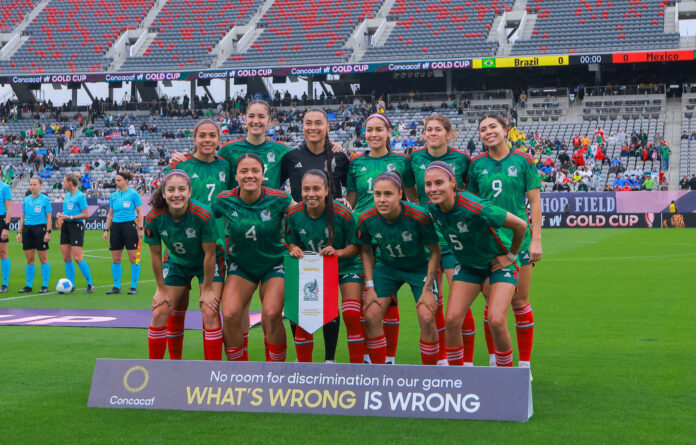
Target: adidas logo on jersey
[485, 171]
[235, 213]
[507, 275]
[164, 233]
[302, 232]
[363, 169]
[195, 176]
[298, 165]
[378, 236]
[526, 256]
[422, 167]
[190, 233]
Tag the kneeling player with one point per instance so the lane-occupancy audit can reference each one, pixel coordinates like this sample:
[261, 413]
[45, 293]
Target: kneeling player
[401, 231]
[187, 229]
[469, 225]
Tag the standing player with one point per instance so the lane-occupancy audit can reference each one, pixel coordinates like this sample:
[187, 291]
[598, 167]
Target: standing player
[257, 118]
[317, 152]
[71, 223]
[438, 135]
[402, 231]
[5, 218]
[321, 225]
[471, 226]
[362, 173]
[125, 222]
[254, 215]
[209, 175]
[504, 177]
[34, 233]
[188, 229]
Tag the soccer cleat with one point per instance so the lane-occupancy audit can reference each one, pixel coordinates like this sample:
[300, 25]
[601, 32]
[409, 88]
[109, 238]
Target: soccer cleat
[25, 290]
[442, 362]
[114, 290]
[390, 361]
[72, 291]
[132, 291]
[90, 289]
[330, 361]
[43, 290]
[3, 289]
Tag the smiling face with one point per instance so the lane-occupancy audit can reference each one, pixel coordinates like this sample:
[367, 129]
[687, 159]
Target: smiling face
[258, 118]
[436, 135]
[376, 133]
[315, 127]
[387, 197]
[177, 192]
[439, 186]
[250, 174]
[314, 191]
[207, 139]
[492, 132]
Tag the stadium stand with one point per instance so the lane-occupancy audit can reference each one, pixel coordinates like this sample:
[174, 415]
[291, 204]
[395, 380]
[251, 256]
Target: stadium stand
[12, 12]
[441, 29]
[304, 31]
[74, 35]
[590, 26]
[186, 31]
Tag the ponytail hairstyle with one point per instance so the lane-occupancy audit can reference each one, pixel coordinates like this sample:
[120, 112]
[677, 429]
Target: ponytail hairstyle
[388, 124]
[328, 209]
[328, 151]
[157, 200]
[394, 177]
[445, 167]
[125, 175]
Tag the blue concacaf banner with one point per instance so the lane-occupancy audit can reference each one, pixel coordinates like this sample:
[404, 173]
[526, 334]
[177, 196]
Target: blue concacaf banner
[436, 392]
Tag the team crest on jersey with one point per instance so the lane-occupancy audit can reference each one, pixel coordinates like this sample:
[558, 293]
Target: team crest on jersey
[462, 227]
[222, 176]
[266, 215]
[195, 176]
[407, 236]
[390, 167]
[233, 266]
[190, 233]
[512, 171]
[165, 272]
[326, 232]
[270, 157]
[333, 164]
[457, 269]
[164, 233]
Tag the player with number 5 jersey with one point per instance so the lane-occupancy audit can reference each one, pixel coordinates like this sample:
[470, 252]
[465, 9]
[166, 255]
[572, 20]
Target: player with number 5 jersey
[254, 217]
[505, 177]
[187, 228]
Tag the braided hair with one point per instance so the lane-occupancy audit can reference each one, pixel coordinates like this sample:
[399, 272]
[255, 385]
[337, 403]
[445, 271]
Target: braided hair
[328, 209]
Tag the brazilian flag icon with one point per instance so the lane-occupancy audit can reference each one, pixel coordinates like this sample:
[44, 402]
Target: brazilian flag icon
[488, 63]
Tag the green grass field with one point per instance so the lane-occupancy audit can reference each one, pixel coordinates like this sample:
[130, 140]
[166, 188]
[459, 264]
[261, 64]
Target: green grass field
[613, 358]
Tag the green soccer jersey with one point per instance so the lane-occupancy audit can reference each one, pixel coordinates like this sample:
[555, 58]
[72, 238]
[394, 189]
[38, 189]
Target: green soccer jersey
[271, 153]
[421, 159]
[255, 230]
[312, 234]
[364, 169]
[505, 183]
[184, 239]
[472, 230]
[402, 243]
[207, 180]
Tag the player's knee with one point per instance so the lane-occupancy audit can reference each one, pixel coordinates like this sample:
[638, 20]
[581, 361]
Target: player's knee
[520, 299]
[231, 316]
[272, 314]
[497, 322]
[209, 316]
[425, 316]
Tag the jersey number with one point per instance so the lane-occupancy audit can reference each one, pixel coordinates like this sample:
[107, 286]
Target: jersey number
[320, 245]
[179, 248]
[397, 247]
[251, 233]
[369, 185]
[497, 186]
[211, 187]
[455, 242]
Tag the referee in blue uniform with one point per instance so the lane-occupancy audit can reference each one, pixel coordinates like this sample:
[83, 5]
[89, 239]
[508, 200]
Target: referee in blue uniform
[35, 233]
[72, 231]
[125, 222]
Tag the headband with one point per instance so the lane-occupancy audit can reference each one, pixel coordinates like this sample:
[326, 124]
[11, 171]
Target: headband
[176, 172]
[381, 116]
[391, 177]
[444, 169]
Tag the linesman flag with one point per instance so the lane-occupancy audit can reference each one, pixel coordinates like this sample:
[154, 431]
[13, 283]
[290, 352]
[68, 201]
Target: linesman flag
[311, 290]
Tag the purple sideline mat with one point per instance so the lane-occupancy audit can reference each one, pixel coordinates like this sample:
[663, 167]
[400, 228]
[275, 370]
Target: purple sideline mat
[94, 318]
